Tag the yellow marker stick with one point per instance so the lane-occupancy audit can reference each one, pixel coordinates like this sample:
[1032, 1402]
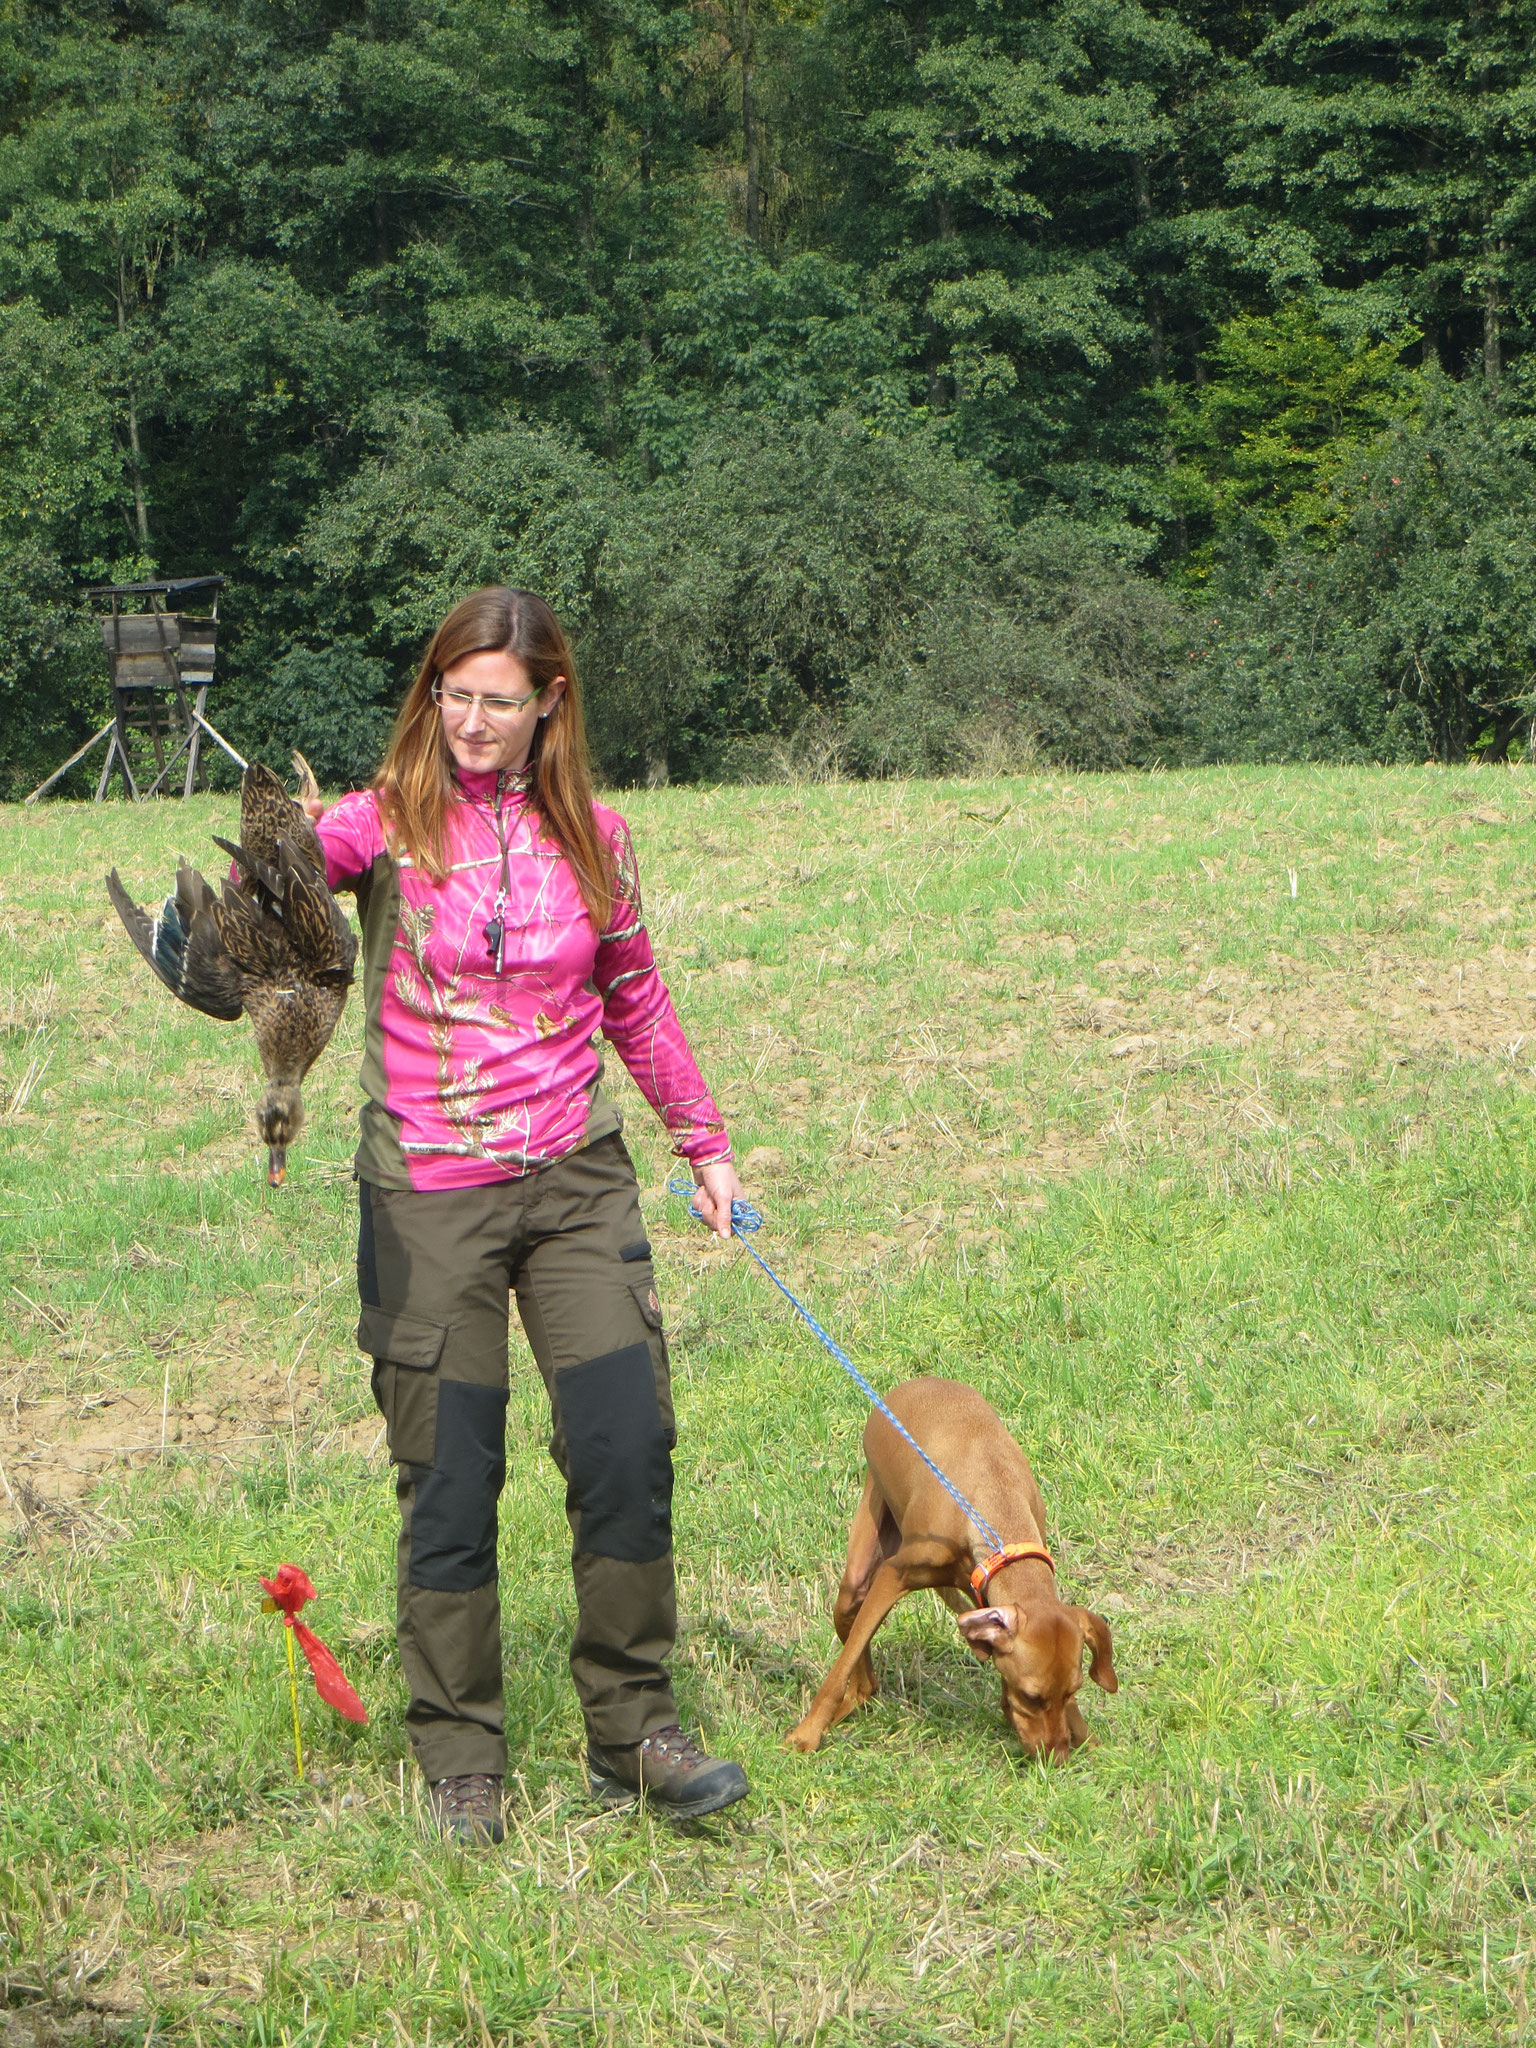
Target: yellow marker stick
[293, 1695]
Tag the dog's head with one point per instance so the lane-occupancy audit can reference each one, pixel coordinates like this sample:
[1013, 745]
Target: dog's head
[1039, 1657]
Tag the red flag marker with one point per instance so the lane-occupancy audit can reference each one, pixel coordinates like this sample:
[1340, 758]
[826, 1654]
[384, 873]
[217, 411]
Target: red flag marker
[286, 1594]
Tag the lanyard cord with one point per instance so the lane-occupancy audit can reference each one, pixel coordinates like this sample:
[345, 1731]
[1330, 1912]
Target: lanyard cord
[501, 841]
[495, 932]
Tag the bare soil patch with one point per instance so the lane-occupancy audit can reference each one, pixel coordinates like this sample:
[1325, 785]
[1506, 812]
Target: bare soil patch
[56, 1448]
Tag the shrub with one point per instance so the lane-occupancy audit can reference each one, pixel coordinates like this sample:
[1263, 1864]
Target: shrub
[874, 583]
[1416, 633]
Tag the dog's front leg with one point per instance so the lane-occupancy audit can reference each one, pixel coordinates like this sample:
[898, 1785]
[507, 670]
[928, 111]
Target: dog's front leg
[886, 1588]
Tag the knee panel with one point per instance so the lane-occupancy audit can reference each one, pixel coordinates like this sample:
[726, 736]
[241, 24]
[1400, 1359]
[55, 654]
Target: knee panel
[453, 1511]
[619, 1455]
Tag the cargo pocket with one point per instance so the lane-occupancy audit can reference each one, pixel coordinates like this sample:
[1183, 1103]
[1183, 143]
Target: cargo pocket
[405, 1350]
[648, 1301]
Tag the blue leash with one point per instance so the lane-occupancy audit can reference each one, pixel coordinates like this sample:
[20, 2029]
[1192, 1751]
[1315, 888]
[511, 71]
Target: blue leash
[745, 1222]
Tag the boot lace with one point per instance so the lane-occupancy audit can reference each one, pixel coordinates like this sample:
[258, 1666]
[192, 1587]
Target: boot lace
[672, 1746]
[470, 1796]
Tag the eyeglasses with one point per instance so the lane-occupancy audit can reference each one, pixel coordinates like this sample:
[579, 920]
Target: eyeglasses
[460, 702]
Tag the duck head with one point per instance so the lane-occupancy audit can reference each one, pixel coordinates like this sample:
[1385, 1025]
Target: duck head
[279, 1115]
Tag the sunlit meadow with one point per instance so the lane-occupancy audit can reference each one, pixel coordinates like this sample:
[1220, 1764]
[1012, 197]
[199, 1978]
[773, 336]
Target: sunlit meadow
[1189, 1116]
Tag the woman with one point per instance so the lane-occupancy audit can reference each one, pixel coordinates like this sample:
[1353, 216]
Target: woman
[502, 932]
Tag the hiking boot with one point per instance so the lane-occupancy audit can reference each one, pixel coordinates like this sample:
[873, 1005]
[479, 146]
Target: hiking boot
[671, 1770]
[468, 1809]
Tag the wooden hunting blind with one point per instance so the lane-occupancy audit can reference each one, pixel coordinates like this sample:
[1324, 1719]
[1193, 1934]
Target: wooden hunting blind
[160, 662]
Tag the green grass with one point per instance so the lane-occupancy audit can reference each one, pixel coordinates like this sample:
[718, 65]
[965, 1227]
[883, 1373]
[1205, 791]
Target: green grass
[1222, 1193]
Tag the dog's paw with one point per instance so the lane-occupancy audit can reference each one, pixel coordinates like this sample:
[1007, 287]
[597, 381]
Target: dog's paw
[804, 1738]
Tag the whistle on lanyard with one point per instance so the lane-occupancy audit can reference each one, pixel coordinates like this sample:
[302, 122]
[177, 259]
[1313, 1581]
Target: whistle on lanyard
[495, 933]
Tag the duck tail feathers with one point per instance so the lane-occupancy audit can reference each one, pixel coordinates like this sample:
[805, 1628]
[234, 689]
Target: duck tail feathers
[138, 923]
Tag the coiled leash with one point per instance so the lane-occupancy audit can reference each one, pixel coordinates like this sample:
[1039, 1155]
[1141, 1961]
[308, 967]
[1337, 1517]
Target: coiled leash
[745, 1223]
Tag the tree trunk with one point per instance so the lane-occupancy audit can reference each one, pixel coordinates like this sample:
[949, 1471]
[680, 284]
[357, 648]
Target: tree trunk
[140, 509]
[1428, 158]
[1456, 724]
[1431, 345]
[1157, 338]
[1493, 339]
[1506, 727]
[599, 365]
[751, 142]
[1141, 185]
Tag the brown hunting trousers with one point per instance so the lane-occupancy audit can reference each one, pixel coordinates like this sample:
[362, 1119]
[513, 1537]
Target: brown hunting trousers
[434, 1275]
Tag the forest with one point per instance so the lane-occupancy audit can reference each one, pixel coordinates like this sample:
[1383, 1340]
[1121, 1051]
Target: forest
[878, 386]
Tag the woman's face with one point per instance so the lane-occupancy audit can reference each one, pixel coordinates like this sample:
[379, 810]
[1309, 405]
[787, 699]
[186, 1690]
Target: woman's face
[489, 711]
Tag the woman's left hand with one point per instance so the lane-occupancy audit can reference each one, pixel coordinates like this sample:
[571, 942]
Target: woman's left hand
[717, 1187]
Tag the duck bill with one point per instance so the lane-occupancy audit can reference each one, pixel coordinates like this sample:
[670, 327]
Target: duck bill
[277, 1165]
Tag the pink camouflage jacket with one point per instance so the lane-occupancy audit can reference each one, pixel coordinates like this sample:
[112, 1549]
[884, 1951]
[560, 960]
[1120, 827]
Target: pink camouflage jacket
[475, 1070]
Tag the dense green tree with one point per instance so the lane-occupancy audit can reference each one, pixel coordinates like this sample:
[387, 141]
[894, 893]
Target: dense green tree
[1397, 135]
[62, 487]
[727, 321]
[431, 512]
[98, 201]
[1271, 441]
[771, 579]
[1010, 177]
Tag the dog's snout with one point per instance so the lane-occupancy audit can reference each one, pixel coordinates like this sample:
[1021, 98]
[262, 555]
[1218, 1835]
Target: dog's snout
[1043, 1745]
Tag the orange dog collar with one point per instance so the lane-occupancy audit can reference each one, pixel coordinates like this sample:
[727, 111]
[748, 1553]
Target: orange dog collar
[1011, 1553]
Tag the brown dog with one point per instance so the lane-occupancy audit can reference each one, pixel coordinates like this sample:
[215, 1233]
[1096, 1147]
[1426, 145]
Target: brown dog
[907, 1532]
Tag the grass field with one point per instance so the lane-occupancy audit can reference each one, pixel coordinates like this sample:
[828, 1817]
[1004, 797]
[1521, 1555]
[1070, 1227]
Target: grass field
[1189, 1116]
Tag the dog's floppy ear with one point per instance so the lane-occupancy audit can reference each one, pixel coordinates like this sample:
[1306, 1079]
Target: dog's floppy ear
[990, 1629]
[1101, 1654]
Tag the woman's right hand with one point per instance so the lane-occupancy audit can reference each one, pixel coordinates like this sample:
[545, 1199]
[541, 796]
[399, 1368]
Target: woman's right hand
[716, 1187]
[315, 808]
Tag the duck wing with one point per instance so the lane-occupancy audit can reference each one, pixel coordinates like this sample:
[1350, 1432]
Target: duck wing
[269, 815]
[320, 941]
[184, 945]
[255, 875]
[254, 940]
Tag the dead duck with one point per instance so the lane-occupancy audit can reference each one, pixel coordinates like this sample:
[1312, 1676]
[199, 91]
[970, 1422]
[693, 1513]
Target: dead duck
[274, 946]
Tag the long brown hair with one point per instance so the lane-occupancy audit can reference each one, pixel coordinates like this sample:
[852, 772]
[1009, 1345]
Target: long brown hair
[415, 784]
